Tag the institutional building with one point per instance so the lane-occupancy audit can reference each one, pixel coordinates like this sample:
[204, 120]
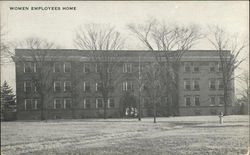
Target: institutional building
[74, 81]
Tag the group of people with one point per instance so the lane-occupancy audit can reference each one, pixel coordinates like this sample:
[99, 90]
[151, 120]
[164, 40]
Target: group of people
[131, 112]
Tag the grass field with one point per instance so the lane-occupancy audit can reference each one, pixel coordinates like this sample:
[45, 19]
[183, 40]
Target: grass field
[175, 135]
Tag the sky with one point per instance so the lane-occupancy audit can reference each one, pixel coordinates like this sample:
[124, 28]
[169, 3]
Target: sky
[59, 25]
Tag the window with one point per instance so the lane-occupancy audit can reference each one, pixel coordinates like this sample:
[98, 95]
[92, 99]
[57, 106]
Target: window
[127, 86]
[212, 100]
[98, 86]
[35, 88]
[221, 100]
[130, 85]
[57, 86]
[127, 68]
[111, 103]
[197, 100]
[56, 67]
[27, 86]
[212, 69]
[97, 68]
[57, 104]
[187, 85]
[67, 67]
[212, 85]
[196, 85]
[29, 67]
[196, 69]
[67, 103]
[86, 86]
[188, 101]
[219, 67]
[221, 85]
[30, 104]
[86, 68]
[37, 103]
[187, 68]
[99, 103]
[67, 86]
[86, 103]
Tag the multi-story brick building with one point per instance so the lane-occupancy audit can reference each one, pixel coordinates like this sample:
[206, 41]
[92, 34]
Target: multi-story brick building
[74, 91]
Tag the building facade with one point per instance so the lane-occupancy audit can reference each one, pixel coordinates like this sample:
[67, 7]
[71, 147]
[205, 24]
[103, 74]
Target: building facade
[73, 84]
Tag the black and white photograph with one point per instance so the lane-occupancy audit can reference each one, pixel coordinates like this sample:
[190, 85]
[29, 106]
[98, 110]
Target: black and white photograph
[124, 77]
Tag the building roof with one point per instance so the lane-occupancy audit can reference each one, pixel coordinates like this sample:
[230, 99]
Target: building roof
[124, 55]
[76, 52]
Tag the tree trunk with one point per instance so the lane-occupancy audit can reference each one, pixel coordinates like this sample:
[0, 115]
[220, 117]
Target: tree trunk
[176, 91]
[42, 107]
[139, 107]
[105, 108]
[225, 100]
[154, 111]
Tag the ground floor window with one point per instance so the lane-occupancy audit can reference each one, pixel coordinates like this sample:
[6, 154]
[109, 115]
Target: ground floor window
[99, 103]
[197, 100]
[188, 101]
[86, 103]
[111, 103]
[31, 104]
[57, 104]
[67, 103]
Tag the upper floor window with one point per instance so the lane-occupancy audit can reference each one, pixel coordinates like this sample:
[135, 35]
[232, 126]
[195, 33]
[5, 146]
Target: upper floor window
[86, 103]
[197, 101]
[187, 85]
[86, 68]
[98, 86]
[221, 84]
[86, 86]
[99, 103]
[196, 85]
[219, 67]
[57, 104]
[111, 103]
[57, 86]
[27, 86]
[67, 103]
[31, 104]
[29, 67]
[196, 69]
[97, 68]
[188, 101]
[212, 85]
[221, 100]
[67, 86]
[212, 100]
[127, 86]
[127, 68]
[187, 68]
[67, 67]
[56, 67]
[212, 68]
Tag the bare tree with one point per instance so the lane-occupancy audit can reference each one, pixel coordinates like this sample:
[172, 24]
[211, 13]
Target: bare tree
[244, 83]
[5, 46]
[101, 40]
[171, 42]
[38, 57]
[229, 48]
[152, 85]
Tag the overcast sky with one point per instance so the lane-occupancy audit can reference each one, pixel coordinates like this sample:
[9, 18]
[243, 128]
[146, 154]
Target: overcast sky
[59, 25]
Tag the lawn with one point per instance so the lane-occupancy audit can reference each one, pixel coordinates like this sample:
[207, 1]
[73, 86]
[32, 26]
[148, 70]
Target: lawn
[175, 135]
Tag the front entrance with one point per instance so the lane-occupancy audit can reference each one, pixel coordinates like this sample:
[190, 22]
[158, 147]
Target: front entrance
[128, 105]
